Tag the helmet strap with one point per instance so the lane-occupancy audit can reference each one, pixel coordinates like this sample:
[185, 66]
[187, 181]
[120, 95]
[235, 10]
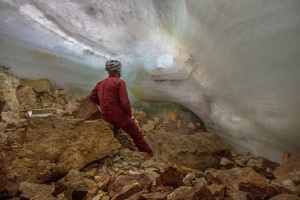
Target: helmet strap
[118, 71]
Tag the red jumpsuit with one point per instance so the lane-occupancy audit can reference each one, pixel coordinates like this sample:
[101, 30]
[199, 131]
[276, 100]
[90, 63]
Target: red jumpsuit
[112, 96]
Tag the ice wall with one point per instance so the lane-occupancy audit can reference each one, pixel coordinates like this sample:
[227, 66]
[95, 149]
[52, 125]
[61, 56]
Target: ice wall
[236, 64]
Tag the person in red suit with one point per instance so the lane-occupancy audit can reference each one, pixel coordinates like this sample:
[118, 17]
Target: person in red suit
[111, 96]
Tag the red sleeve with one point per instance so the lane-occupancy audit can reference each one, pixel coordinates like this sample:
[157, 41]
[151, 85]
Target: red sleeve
[124, 100]
[94, 96]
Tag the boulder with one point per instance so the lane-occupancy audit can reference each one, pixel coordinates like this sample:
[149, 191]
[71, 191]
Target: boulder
[199, 191]
[8, 85]
[39, 85]
[198, 151]
[87, 110]
[36, 191]
[26, 95]
[127, 185]
[47, 148]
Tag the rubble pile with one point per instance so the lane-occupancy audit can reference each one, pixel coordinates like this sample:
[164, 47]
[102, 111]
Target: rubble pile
[73, 154]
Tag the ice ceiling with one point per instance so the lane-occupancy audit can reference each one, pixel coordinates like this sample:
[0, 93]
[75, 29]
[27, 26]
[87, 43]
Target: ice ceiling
[235, 63]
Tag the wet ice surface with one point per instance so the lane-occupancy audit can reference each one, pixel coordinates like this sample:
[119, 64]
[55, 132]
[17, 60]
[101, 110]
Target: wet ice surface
[234, 63]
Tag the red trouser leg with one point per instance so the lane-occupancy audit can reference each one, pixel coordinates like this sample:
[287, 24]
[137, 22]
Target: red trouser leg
[138, 138]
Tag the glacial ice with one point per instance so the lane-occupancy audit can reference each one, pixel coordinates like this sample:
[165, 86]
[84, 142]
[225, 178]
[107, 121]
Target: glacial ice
[236, 64]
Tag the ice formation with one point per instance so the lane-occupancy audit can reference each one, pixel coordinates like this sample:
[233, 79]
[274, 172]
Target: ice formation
[236, 64]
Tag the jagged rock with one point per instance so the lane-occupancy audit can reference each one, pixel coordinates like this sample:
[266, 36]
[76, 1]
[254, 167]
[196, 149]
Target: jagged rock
[200, 151]
[171, 176]
[36, 191]
[161, 193]
[73, 184]
[199, 192]
[87, 110]
[218, 191]
[127, 185]
[72, 105]
[225, 163]
[285, 197]
[191, 126]
[8, 85]
[140, 116]
[102, 181]
[174, 116]
[262, 190]
[39, 85]
[291, 165]
[10, 117]
[26, 95]
[149, 126]
[49, 147]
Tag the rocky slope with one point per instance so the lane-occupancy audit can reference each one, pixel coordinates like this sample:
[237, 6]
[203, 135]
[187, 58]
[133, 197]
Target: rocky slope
[73, 154]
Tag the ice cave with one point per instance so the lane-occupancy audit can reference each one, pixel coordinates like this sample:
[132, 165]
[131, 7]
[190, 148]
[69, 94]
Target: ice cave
[235, 64]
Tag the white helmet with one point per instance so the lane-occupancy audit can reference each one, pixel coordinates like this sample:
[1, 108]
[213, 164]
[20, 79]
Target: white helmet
[112, 65]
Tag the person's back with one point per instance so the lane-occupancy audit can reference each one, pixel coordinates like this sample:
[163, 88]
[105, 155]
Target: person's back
[111, 94]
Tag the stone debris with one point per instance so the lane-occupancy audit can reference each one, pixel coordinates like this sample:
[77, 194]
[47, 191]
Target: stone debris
[73, 154]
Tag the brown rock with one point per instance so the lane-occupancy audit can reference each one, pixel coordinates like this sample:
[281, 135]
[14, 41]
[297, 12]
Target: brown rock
[291, 165]
[30, 190]
[40, 85]
[102, 181]
[126, 184]
[285, 197]
[126, 191]
[231, 178]
[26, 95]
[200, 152]
[161, 193]
[73, 184]
[225, 163]
[199, 192]
[258, 191]
[8, 85]
[87, 110]
[174, 116]
[49, 147]
[171, 176]
[218, 191]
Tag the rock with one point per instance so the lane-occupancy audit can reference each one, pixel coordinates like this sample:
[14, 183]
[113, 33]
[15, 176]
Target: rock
[179, 124]
[127, 185]
[260, 190]
[199, 192]
[149, 126]
[73, 184]
[171, 176]
[102, 181]
[225, 163]
[290, 166]
[36, 191]
[49, 147]
[72, 106]
[174, 116]
[218, 191]
[285, 197]
[140, 116]
[39, 85]
[8, 97]
[161, 193]
[87, 110]
[200, 151]
[232, 177]
[10, 117]
[26, 95]
[191, 126]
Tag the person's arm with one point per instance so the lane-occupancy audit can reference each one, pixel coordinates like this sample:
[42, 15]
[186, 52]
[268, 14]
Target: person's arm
[124, 100]
[94, 96]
